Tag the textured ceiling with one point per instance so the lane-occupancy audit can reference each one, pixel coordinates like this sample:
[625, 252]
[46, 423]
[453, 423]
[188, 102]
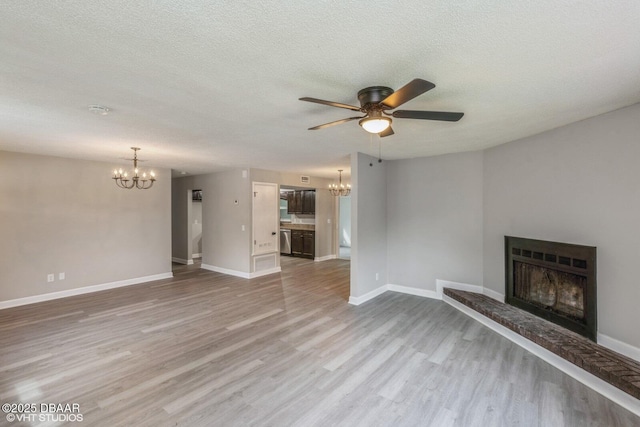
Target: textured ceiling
[204, 86]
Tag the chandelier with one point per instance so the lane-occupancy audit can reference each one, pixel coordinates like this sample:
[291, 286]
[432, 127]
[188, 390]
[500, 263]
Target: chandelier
[143, 183]
[340, 189]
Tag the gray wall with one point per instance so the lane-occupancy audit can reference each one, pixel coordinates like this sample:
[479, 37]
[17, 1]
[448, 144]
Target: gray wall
[579, 184]
[368, 225]
[224, 243]
[63, 215]
[434, 227]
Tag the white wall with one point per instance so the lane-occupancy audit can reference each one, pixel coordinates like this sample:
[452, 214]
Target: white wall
[369, 224]
[63, 215]
[434, 227]
[578, 184]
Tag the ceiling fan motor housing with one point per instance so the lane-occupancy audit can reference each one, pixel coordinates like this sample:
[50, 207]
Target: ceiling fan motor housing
[373, 95]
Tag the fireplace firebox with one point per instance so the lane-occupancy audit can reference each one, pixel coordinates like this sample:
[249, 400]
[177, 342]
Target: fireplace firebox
[556, 281]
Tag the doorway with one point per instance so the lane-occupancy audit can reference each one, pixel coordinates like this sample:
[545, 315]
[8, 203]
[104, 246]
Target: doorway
[196, 224]
[187, 227]
[344, 227]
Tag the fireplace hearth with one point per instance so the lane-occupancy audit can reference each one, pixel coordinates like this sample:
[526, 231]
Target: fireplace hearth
[556, 281]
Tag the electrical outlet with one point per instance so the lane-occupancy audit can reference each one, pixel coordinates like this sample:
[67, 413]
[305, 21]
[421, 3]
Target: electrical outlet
[51, 277]
[377, 276]
[243, 228]
[61, 276]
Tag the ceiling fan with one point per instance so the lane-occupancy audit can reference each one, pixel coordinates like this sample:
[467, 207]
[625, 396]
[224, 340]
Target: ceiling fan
[376, 101]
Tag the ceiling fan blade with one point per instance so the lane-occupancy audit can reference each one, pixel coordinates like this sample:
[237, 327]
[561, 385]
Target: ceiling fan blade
[407, 92]
[337, 122]
[387, 132]
[428, 115]
[330, 103]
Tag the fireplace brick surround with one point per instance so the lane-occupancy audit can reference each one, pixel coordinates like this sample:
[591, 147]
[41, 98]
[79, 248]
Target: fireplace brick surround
[611, 367]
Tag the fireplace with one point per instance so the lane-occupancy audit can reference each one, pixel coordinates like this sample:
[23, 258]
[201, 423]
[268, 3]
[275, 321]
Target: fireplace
[556, 281]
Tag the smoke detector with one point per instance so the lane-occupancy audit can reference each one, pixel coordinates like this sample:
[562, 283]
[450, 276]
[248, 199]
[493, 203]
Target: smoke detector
[99, 110]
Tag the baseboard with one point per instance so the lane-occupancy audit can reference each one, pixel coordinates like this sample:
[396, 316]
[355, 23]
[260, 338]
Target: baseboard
[83, 290]
[440, 284]
[413, 291]
[242, 274]
[607, 390]
[493, 294]
[324, 258]
[437, 294]
[236, 273]
[196, 256]
[368, 296]
[182, 261]
[619, 347]
[265, 272]
[426, 293]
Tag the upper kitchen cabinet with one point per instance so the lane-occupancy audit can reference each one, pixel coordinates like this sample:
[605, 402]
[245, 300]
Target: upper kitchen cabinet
[294, 202]
[301, 202]
[309, 202]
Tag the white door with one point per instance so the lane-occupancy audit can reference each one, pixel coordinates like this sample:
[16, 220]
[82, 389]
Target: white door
[266, 217]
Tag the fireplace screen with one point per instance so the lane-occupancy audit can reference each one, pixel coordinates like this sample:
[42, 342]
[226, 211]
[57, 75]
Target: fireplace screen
[553, 280]
[550, 289]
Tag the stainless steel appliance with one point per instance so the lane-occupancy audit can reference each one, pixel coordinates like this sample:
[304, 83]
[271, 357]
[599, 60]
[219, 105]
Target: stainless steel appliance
[285, 241]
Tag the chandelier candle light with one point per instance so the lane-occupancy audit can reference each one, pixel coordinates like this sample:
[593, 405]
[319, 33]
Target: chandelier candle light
[143, 183]
[340, 189]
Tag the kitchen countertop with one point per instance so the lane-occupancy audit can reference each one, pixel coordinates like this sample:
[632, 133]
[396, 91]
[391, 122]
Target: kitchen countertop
[307, 227]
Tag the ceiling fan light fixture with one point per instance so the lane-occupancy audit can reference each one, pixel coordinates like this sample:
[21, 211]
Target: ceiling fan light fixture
[375, 124]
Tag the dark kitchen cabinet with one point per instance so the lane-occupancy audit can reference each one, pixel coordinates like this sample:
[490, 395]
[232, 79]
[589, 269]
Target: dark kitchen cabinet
[294, 202]
[303, 243]
[309, 244]
[296, 243]
[309, 202]
[301, 202]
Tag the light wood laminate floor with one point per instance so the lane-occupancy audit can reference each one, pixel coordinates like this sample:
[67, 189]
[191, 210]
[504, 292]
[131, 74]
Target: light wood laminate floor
[206, 349]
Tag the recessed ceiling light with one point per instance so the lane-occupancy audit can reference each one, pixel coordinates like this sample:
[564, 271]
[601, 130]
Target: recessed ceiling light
[99, 109]
[183, 173]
